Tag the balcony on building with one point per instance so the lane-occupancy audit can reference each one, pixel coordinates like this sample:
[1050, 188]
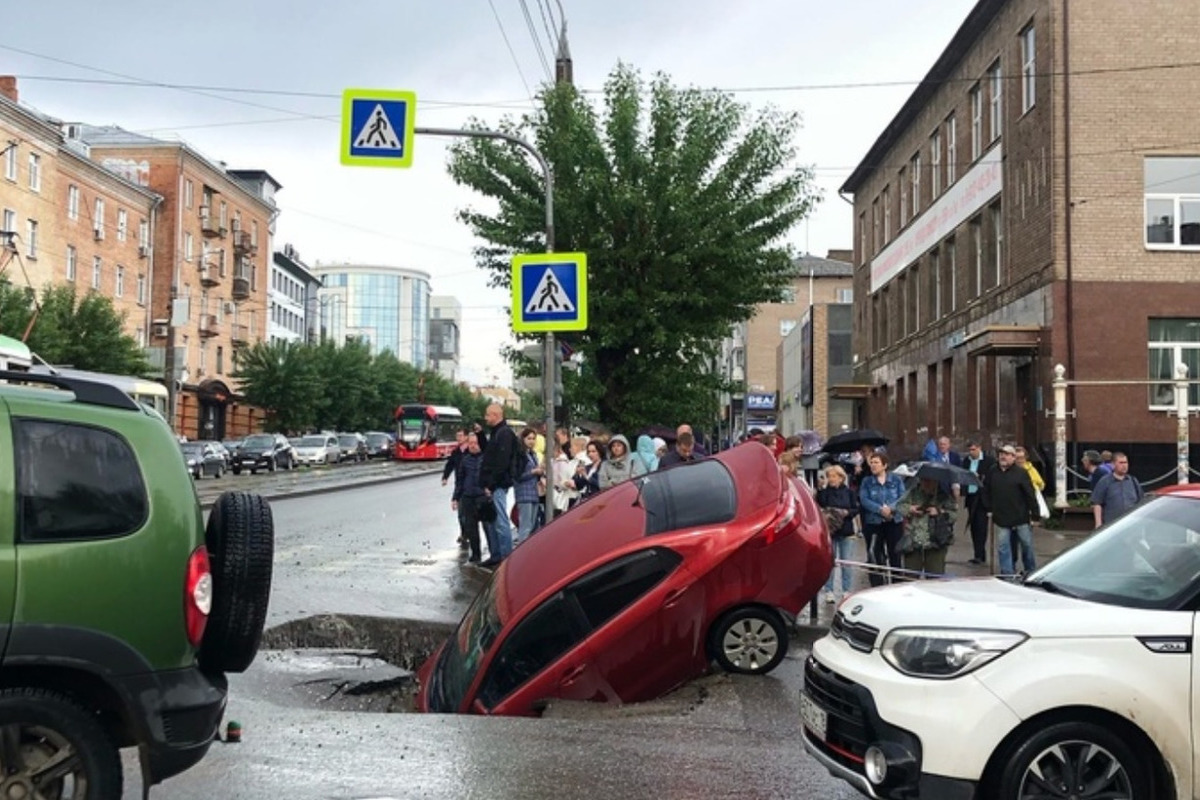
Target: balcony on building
[210, 224]
[244, 244]
[239, 334]
[210, 274]
[209, 326]
[241, 282]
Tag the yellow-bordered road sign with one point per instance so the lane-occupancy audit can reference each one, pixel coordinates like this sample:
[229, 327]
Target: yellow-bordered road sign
[549, 292]
[378, 127]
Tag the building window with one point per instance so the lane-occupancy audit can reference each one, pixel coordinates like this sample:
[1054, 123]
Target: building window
[120, 292]
[997, 100]
[935, 277]
[122, 224]
[915, 169]
[902, 185]
[72, 262]
[189, 194]
[188, 252]
[876, 225]
[997, 243]
[786, 326]
[98, 216]
[144, 235]
[887, 214]
[845, 295]
[96, 265]
[31, 238]
[977, 256]
[951, 150]
[862, 238]
[1028, 70]
[10, 162]
[141, 289]
[951, 275]
[35, 172]
[73, 202]
[254, 233]
[935, 164]
[976, 122]
[916, 297]
[1173, 341]
[10, 221]
[1172, 197]
[220, 360]
[224, 215]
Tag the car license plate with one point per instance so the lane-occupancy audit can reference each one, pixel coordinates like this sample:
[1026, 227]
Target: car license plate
[814, 717]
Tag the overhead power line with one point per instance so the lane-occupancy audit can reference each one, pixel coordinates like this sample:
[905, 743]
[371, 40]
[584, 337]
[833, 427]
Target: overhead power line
[537, 42]
[508, 44]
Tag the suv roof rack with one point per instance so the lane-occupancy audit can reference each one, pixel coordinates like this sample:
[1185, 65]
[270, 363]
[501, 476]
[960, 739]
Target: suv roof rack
[92, 393]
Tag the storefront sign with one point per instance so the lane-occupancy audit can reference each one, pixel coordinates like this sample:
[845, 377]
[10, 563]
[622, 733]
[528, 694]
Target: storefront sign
[760, 402]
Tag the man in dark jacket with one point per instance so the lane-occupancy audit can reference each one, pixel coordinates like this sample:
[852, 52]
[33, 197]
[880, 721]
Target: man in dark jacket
[497, 477]
[451, 467]
[468, 495]
[1008, 495]
[683, 453]
[981, 464]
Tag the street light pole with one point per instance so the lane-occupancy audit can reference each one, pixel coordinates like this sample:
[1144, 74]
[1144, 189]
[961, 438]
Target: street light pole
[548, 376]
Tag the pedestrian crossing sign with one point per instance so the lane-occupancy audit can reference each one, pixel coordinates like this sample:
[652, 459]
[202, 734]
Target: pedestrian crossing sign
[549, 292]
[378, 127]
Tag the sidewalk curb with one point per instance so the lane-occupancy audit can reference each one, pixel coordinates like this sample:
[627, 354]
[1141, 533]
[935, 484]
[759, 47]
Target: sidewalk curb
[206, 505]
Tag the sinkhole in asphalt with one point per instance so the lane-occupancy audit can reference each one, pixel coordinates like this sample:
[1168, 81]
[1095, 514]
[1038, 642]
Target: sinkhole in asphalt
[348, 663]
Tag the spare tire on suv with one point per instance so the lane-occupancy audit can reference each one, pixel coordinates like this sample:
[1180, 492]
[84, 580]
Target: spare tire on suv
[241, 550]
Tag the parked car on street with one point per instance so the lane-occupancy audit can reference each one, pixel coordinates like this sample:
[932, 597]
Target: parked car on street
[269, 451]
[1078, 682]
[203, 458]
[638, 590]
[122, 611]
[317, 448]
[379, 445]
[353, 446]
[226, 454]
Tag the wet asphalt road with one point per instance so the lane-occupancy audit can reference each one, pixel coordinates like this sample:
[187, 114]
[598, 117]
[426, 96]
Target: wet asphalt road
[389, 550]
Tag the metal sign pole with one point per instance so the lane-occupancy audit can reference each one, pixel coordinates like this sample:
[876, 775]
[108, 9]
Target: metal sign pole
[548, 376]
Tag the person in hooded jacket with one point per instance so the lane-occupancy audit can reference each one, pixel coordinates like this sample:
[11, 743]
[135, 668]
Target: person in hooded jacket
[621, 465]
[646, 453]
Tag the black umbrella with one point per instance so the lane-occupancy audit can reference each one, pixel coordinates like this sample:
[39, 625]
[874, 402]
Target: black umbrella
[849, 441]
[942, 472]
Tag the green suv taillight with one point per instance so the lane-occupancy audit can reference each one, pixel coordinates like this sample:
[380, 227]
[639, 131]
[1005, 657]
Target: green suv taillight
[197, 595]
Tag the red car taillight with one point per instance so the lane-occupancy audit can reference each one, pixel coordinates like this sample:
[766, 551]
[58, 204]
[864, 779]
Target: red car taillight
[197, 595]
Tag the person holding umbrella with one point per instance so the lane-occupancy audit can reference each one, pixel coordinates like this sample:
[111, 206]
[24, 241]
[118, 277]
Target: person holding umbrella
[929, 511]
[882, 524]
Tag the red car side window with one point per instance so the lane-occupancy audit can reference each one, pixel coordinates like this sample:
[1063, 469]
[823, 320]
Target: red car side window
[546, 633]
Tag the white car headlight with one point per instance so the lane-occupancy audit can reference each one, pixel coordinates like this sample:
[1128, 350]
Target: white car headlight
[945, 652]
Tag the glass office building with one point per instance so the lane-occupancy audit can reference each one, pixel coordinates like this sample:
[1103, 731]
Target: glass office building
[388, 307]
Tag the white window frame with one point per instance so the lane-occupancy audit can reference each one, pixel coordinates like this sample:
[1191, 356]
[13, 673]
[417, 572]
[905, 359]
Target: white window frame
[862, 238]
[951, 248]
[996, 81]
[35, 172]
[902, 187]
[997, 213]
[98, 216]
[976, 122]
[1161, 396]
[141, 288]
[189, 194]
[144, 233]
[887, 214]
[72, 263]
[97, 269]
[977, 243]
[120, 290]
[188, 247]
[122, 224]
[10, 220]
[935, 274]
[876, 226]
[951, 150]
[935, 164]
[1028, 68]
[1178, 200]
[31, 238]
[10, 162]
[73, 202]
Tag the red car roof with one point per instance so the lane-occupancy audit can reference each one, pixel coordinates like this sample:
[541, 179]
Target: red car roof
[609, 521]
[1191, 490]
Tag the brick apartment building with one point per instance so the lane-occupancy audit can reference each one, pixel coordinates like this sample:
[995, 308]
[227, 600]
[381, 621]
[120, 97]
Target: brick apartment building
[74, 221]
[1036, 201]
[213, 248]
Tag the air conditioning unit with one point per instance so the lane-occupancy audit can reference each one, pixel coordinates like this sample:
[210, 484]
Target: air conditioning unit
[159, 331]
[143, 250]
[98, 232]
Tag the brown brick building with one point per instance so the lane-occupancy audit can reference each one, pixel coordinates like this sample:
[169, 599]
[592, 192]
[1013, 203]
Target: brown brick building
[213, 248]
[1036, 201]
[74, 221]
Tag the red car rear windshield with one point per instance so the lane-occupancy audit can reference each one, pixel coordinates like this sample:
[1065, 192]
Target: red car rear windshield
[688, 496]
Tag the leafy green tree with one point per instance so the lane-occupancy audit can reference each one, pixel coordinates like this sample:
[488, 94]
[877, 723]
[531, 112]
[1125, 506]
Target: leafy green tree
[680, 197]
[85, 333]
[283, 378]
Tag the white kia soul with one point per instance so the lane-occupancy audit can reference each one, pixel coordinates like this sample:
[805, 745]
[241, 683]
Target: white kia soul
[1078, 684]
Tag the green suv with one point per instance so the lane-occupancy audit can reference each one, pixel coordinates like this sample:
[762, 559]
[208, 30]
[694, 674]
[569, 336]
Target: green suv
[120, 611]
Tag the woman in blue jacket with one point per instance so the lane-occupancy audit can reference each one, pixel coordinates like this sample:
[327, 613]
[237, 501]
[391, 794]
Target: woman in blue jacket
[883, 526]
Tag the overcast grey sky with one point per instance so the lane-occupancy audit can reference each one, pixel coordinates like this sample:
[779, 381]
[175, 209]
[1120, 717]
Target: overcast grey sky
[453, 55]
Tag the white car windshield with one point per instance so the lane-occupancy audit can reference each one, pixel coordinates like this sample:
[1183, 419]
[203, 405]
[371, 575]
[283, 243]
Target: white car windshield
[1149, 558]
[312, 441]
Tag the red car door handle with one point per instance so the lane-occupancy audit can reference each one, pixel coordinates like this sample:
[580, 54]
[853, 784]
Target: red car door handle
[572, 674]
[673, 597]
